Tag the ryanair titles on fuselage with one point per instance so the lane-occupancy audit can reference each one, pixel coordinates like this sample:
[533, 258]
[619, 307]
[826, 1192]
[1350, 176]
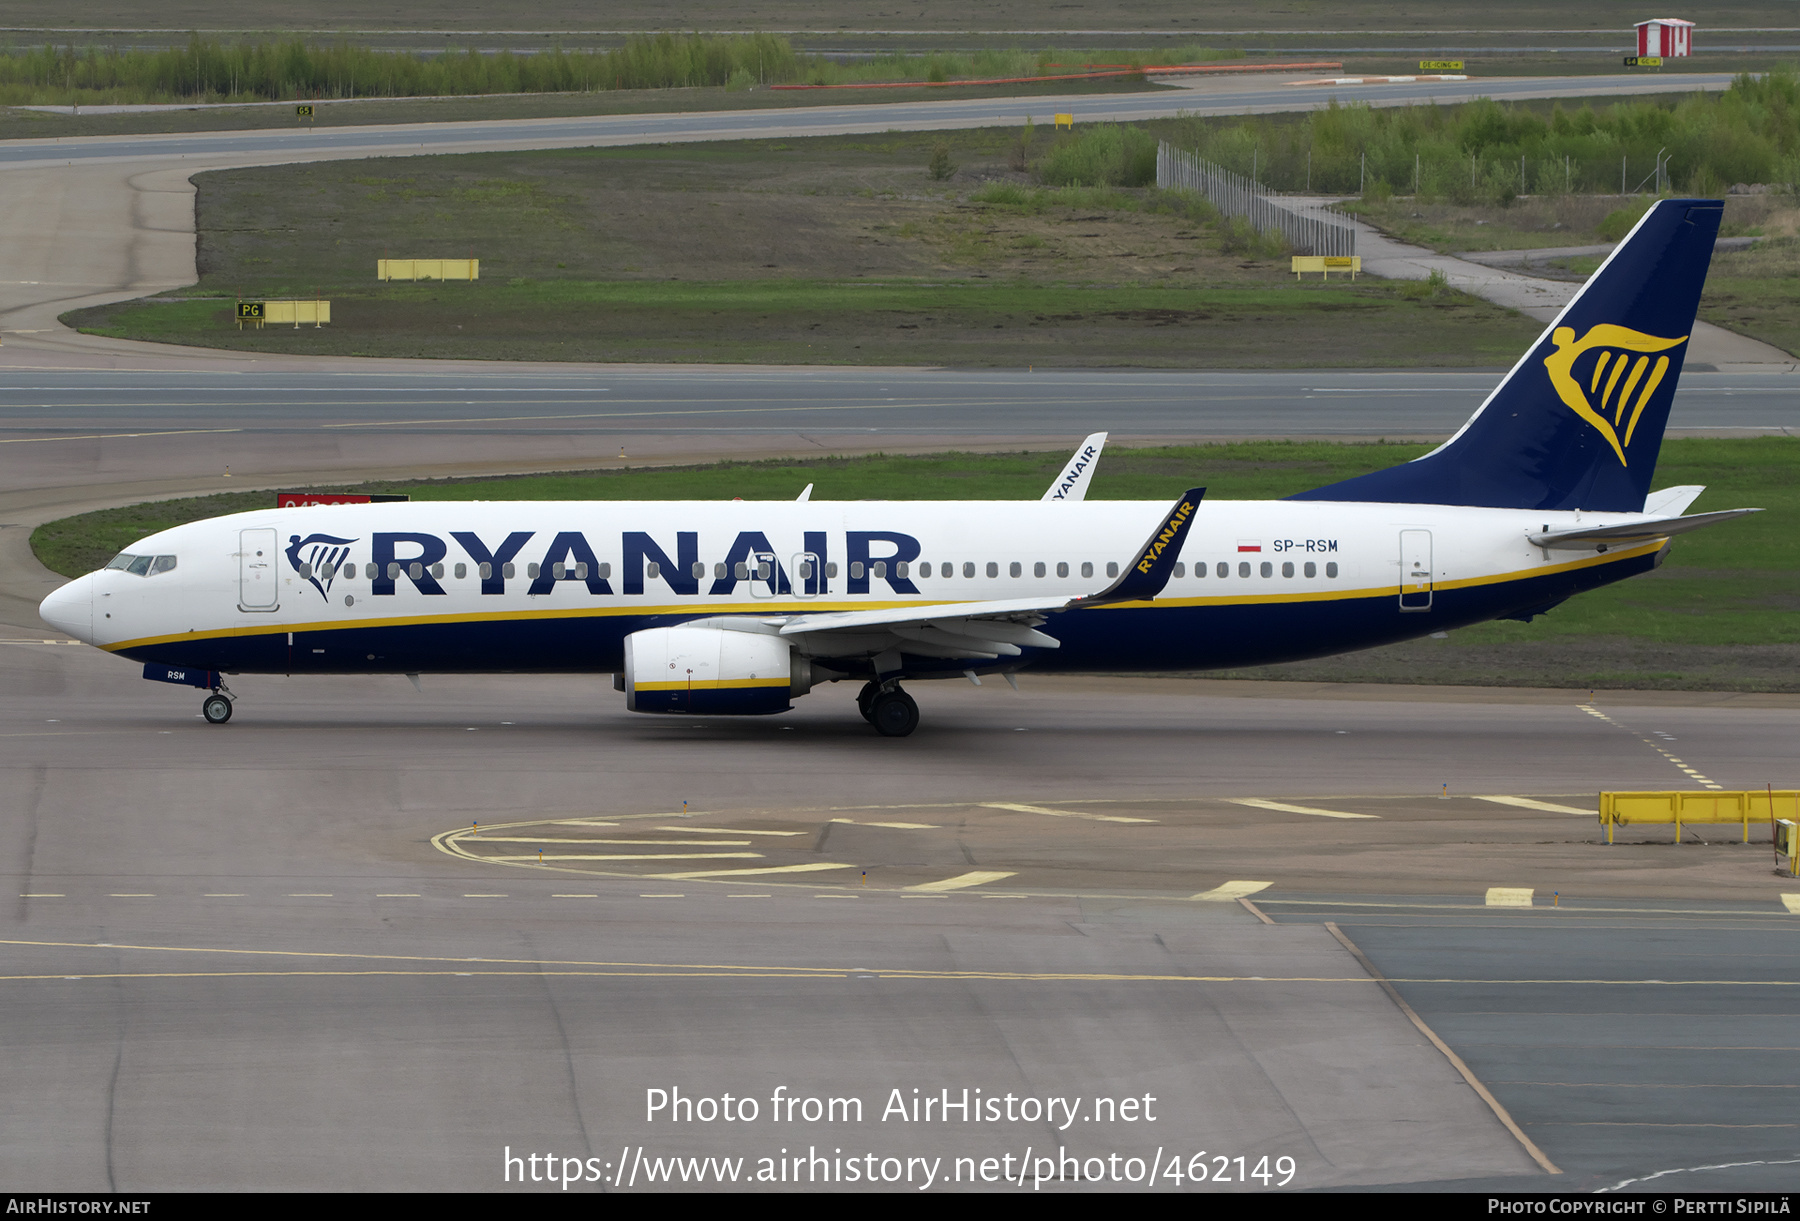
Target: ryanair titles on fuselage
[395, 556]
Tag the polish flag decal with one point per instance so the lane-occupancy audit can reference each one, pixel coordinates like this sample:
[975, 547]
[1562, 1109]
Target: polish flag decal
[1249, 544]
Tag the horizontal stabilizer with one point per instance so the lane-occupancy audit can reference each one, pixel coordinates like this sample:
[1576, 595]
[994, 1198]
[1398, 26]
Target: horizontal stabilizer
[1673, 502]
[1633, 531]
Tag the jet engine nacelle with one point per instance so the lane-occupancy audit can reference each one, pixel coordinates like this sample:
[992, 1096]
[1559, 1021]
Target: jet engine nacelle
[712, 671]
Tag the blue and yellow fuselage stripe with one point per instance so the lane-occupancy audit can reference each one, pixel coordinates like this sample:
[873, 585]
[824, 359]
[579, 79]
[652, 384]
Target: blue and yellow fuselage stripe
[1203, 631]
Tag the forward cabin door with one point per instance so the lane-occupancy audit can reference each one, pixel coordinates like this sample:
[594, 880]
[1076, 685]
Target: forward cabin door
[257, 574]
[1415, 570]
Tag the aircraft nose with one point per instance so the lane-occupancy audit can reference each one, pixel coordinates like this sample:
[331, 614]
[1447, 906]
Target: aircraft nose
[71, 609]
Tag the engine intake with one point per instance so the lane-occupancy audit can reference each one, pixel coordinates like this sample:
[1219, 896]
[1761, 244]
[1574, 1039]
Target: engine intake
[708, 671]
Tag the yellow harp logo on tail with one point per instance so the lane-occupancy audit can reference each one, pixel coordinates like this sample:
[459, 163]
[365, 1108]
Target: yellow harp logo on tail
[1611, 380]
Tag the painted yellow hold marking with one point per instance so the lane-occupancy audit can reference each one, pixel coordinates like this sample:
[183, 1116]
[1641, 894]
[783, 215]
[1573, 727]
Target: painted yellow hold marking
[1019, 809]
[1231, 891]
[897, 826]
[727, 831]
[732, 873]
[631, 856]
[1284, 808]
[544, 839]
[1792, 903]
[963, 880]
[1508, 896]
[1532, 803]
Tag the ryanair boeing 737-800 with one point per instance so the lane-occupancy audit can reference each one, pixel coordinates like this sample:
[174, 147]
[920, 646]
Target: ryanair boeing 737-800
[739, 607]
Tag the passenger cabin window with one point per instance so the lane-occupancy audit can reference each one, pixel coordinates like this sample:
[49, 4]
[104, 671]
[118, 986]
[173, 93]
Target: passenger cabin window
[581, 571]
[993, 569]
[437, 571]
[1014, 570]
[506, 570]
[1244, 568]
[1112, 568]
[1062, 568]
[831, 569]
[1312, 569]
[531, 570]
[1223, 570]
[900, 569]
[652, 569]
[1268, 569]
[1037, 569]
[968, 568]
[1287, 569]
[1331, 569]
[1180, 569]
[925, 569]
[879, 568]
[1087, 568]
[699, 570]
[462, 570]
[856, 571]
[486, 570]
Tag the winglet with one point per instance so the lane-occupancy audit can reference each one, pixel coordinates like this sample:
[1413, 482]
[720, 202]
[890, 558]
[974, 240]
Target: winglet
[1150, 569]
[1072, 484]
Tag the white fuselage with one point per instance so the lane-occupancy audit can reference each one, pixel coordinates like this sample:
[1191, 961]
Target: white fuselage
[400, 587]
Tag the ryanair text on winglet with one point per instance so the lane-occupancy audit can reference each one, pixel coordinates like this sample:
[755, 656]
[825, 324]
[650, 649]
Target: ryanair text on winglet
[1169, 534]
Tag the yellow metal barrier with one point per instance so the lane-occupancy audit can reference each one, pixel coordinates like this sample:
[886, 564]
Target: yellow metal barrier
[1325, 264]
[313, 310]
[428, 269]
[1676, 806]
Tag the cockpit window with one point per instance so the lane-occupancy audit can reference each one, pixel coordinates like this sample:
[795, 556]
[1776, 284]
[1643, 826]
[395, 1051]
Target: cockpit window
[141, 565]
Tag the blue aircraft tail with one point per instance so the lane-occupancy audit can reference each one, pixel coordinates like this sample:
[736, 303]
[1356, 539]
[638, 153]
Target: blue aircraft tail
[1578, 421]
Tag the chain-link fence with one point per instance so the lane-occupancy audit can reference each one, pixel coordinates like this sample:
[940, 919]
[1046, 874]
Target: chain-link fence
[1235, 195]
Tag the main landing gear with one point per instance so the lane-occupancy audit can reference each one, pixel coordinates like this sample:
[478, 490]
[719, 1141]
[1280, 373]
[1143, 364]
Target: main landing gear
[889, 709]
[216, 708]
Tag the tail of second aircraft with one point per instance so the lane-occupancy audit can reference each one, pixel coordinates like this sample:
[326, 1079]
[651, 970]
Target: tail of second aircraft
[1578, 421]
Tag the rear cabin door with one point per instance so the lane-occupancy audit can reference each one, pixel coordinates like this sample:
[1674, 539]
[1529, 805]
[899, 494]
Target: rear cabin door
[1415, 570]
[257, 574]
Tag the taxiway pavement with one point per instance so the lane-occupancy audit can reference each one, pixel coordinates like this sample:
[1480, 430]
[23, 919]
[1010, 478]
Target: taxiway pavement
[237, 957]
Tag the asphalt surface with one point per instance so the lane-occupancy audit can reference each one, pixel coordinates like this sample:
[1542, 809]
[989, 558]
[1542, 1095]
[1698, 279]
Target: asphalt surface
[1240, 96]
[281, 954]
[240, 956]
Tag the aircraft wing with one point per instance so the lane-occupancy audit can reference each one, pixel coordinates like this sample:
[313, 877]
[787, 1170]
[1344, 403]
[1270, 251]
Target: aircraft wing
[1632, 532]
[992, 629]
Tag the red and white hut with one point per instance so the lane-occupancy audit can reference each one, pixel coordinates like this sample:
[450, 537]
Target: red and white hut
[1667, 36]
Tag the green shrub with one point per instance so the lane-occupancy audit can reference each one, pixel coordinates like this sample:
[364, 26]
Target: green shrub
[1102, 155]
[941, 166]
[1618, 223]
